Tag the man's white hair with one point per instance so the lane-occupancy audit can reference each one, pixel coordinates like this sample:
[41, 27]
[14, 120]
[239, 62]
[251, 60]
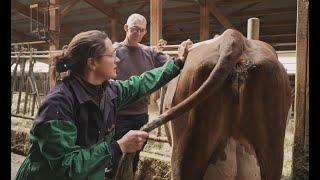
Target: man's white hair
[136, 18]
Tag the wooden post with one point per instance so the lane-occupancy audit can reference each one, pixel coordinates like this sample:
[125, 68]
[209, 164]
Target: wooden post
[155, 21]
[301, 109]
[204, 21]
[54, 35]
[253, 28]
[114, 30]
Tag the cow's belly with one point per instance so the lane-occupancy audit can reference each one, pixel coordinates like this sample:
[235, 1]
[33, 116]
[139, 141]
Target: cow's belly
[238, 165]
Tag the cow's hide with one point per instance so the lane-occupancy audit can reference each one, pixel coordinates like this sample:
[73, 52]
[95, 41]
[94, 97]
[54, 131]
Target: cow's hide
[237, 128]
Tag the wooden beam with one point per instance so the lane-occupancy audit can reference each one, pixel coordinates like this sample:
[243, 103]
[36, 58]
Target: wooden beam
[141, 6]
[177, 9]
[285, 48]
[23, 9]
[114, 30]
[181, 31]
[127, 3]
[244, 8]
[268, 12]
[68, 8]
[233, 2]
[274, 39]
[20, 36]
[181, 21]
[274, 23]
[283, 44]
[253, 28]
[155, 21]
[204, 21]
[54, 35]
[104, 8]
[85, 10]
[109, 6]
[268, 31]
[184, 1]
[301, 108]
[277, 35]
[218, 15]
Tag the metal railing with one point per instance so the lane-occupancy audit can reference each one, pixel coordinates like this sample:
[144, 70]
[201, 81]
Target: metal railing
[28, 87]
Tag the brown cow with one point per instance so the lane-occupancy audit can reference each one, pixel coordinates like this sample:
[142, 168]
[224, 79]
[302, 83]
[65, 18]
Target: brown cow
[237, 129]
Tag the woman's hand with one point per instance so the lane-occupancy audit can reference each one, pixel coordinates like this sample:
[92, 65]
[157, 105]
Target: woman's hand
[132, 141]
[183, 49]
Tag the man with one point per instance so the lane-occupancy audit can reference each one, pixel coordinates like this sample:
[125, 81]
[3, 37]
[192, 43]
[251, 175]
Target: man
[135, 58]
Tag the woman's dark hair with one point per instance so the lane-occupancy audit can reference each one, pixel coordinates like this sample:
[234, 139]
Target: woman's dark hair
[88, 44]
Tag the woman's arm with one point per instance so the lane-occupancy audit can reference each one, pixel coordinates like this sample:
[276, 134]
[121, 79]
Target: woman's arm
[138, 87]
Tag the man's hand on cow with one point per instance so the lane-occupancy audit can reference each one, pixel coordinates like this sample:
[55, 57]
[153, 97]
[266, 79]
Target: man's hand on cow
[183, 49]
[132, 141]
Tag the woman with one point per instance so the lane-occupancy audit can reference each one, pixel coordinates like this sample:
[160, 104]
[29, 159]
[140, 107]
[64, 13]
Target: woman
[71, 137]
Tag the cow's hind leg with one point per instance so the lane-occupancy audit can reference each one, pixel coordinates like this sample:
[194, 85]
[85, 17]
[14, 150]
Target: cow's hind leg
[248, 167]
[223, 163]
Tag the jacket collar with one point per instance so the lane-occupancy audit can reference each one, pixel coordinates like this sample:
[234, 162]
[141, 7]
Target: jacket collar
[82, 96]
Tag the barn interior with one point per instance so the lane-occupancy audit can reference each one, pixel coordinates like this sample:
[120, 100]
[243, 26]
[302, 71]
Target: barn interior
[40, 28]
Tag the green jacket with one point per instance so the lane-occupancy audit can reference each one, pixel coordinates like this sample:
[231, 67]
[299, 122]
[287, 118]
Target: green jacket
[56, 152]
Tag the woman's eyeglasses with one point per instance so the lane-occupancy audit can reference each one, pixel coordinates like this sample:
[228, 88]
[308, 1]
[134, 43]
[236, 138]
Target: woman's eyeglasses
[110, 55]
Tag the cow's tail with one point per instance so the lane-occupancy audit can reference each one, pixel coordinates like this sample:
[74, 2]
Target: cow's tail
[230, 50]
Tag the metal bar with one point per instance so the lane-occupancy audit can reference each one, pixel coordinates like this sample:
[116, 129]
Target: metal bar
[34, 85]
[14, 76]
[36, 52]
[27, 87]
[35, 56]
[29, 43]
[163, 91]
[171, 46]
[20, 86]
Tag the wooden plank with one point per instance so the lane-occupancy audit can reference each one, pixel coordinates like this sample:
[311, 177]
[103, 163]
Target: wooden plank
[306, 129]
[20, 36]
[54, 37]
[277, 35]
[27, 90]
[300, 81]
[14, 77]
[104, 8]
[204, 21]
[68, 8]
[109, 6]
[155, 21]
[21, 84]
[141, 6]
[301, 107]
[114, 30]
[270, 11]
[219, 16]
[120, 4]
[181, 21]
[244, 8]
[177, 9]
[253, 28]
[23, 9]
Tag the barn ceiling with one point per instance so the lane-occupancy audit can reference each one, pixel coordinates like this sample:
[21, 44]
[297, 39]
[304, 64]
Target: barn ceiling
[181, 18]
